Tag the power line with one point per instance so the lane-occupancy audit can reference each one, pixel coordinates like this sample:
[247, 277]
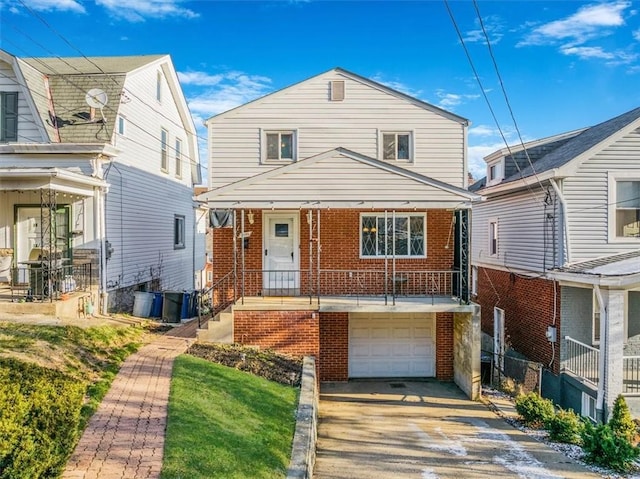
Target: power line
[486, 98]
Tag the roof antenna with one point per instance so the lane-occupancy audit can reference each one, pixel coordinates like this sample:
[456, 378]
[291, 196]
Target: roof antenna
[96, 98]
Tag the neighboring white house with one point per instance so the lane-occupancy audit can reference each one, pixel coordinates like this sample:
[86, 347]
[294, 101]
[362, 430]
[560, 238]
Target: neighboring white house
[556, 260]
[98, 158]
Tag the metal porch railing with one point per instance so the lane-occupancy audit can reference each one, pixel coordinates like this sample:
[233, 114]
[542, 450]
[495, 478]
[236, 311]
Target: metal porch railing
[582, 360]
[42, 283]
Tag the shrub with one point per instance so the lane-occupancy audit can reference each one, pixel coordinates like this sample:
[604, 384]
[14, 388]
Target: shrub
[533, 409]
[621, 422]
[604, 447]
[565, 426]
[39, 415]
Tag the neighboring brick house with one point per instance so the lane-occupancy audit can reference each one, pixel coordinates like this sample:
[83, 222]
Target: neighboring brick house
[346, 238]
[556, 260]
[98, 158]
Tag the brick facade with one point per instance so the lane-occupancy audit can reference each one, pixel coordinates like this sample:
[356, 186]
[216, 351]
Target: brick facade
[444, 346]
[528, 310]
[334, 346]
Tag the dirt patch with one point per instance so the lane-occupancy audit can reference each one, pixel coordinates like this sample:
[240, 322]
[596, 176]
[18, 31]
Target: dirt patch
[261, 362]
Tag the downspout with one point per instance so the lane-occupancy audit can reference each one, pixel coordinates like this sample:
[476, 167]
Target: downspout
[603, 353]
[564, 225]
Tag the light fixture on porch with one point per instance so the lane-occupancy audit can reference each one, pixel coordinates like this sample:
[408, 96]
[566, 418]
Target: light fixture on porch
[250, 217]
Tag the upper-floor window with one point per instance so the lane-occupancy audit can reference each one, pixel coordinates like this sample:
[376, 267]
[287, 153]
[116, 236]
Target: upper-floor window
[164, 145]
[178, 158]
[178, 232]
[8, 116]
[381, 237]
[280, 145]
[159, 86]
[495, 173]
[121, 125]
[493, 237]
[396, 146]
[627, 209]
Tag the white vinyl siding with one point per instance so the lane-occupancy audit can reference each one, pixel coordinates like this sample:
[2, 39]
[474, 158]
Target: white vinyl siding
[528, 233]
[354, 123]
[588, 193]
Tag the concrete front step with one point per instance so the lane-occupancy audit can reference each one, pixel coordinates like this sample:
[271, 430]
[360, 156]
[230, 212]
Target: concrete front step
[219, 329]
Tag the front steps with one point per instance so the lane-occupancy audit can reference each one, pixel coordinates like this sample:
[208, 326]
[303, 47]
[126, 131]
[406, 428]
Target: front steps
[219, 329]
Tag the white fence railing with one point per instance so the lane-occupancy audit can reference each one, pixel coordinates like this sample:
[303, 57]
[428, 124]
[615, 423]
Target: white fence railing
[582, 360]
[631, 381]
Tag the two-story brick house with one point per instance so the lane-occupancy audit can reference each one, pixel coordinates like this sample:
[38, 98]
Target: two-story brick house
[556, 260]
[346, 238]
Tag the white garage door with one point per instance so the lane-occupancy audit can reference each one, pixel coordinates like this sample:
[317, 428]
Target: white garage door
[398, 345]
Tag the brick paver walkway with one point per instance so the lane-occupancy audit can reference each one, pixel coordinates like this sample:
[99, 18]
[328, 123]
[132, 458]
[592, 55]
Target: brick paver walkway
[125, 437]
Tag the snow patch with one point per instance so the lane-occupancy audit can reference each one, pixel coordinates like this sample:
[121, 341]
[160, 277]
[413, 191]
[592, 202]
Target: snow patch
[429, 474]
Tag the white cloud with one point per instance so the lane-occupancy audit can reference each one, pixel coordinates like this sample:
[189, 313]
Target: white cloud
[636, 35]
[140, 10]
[476, 154]
[50, 5]
[493, 27]
[587, 52]
[483, 130]
[449, 101]
[225, 90]
[589, 22]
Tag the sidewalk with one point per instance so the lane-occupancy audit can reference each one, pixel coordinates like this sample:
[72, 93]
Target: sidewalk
[125, 437]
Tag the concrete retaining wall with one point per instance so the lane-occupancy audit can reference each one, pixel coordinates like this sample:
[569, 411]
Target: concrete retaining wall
[303, 453]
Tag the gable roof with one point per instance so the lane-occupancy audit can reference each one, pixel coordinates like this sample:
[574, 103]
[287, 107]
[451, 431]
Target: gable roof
[64, 82]
[578, 145]
[314, 183]
[357, 78]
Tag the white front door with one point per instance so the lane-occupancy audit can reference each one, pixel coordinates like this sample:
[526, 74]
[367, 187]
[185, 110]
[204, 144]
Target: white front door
[281, 254]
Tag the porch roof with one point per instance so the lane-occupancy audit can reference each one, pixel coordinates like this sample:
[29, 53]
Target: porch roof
[57, 179]
[339, 178]
[619, 269]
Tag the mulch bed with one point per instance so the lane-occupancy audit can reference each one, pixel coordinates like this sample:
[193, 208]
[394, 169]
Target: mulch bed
[261, 362]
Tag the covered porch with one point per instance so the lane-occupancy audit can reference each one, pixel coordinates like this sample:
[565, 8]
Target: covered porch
[51, 223]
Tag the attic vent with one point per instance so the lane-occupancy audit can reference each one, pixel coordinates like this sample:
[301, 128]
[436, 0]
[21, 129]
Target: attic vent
[337, 90]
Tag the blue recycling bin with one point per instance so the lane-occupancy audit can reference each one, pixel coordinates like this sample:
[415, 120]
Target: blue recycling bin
[156, 305]
[185, 311]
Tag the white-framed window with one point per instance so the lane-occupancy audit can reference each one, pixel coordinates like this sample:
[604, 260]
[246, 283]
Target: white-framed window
[178, 158]
[404, 237]
[495, 173]
[397, 145]
[624, 206]
[595, 329]
[493, 237]
[8, 116]
[588, 408]
[209, 276]
[178, 232]
[121, 125]
[159, 86]
[279, 145]
[164, 147]
[474, 280]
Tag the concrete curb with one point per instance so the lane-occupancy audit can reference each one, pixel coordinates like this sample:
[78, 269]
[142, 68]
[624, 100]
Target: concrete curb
[303, 452]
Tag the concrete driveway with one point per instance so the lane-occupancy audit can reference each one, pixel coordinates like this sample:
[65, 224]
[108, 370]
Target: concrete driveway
[424, 430]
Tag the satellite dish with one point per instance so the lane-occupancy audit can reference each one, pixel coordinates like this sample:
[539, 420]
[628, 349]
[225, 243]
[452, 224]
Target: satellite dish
[96, 98]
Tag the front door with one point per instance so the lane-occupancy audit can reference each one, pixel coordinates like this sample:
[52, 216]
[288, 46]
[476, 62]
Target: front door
[281, 260]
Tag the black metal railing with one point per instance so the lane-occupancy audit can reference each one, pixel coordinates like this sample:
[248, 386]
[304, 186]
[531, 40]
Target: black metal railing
[43, 282]
[217, 298]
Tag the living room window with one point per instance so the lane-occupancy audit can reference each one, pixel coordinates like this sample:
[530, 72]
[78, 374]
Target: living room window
[279, 145]
[397, 146]
[8, 116]
[403, 235]
[178, 232]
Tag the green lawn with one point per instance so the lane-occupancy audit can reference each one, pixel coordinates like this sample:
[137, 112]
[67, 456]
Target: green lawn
[225, 423]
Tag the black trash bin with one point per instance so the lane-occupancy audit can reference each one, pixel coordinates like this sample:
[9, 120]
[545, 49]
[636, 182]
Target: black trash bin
[172, 306]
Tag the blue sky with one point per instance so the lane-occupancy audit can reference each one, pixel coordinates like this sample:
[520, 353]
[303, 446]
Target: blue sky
[564, 64]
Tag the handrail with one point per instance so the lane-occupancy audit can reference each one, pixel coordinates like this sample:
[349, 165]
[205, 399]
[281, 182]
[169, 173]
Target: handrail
[569, 338]
[582, 360]
[210, 303]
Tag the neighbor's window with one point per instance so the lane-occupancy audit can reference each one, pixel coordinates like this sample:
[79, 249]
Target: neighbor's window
[121, 125]
[474, 280]
[596, 320]
[404, 237]
[495, 173]
[178, 232]
[493, 237]
[280, 145]
[627, 209]
[8, 116]
[396, 146]
[159, 86]
[588, 406]
[179, 158]
[164, 145]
